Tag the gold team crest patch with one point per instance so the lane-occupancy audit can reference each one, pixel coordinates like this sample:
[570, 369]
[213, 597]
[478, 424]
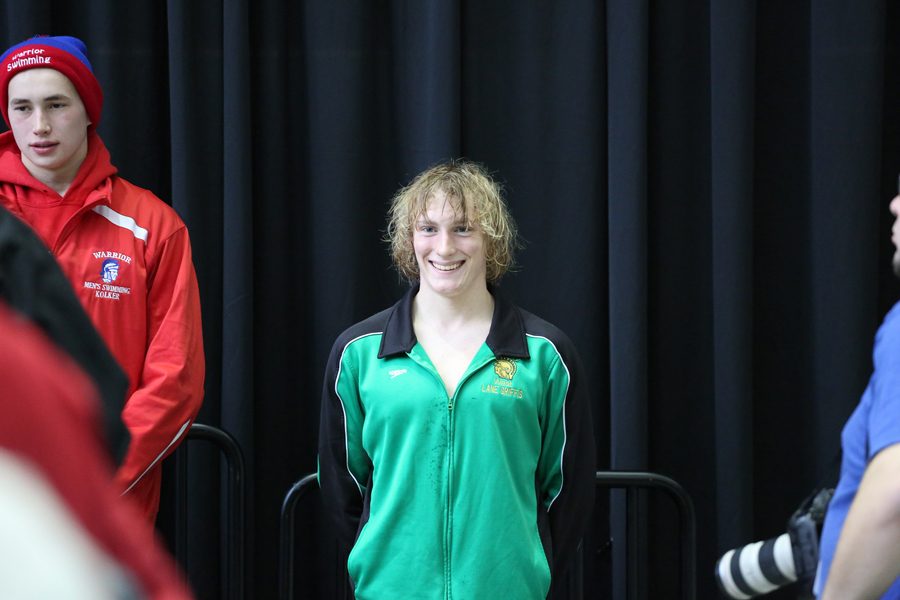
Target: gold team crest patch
[505, 368]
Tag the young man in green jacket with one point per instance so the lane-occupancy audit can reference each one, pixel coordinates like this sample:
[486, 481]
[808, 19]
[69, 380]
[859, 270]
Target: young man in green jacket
[456, 450]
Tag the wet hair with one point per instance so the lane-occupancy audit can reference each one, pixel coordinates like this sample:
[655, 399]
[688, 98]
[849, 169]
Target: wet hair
[475, 198]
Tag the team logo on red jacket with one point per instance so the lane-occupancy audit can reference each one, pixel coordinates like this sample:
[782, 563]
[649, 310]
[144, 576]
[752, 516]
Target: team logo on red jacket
[111, 266]
[110, 270]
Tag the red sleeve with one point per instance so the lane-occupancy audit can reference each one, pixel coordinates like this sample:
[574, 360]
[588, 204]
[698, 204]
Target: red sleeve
[170, 391]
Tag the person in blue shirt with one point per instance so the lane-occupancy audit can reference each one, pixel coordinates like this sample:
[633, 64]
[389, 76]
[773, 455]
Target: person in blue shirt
[860, 544]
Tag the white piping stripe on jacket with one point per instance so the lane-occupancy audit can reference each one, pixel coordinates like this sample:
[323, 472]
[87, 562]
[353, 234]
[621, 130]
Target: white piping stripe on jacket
[159, 458]
[565, 429]
[122, 221]
[341, 400]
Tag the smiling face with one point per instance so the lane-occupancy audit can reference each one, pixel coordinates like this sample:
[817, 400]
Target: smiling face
[49, 124]
[449, 252]
[472, 193]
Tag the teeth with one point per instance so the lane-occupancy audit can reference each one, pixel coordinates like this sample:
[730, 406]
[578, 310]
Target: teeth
[452, 267]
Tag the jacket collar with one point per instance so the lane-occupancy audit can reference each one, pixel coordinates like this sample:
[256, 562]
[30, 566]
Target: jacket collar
[506, 337]
[94, 172]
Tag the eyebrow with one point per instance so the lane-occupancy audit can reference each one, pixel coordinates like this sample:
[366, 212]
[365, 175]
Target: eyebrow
[423, 220]
[53, 98]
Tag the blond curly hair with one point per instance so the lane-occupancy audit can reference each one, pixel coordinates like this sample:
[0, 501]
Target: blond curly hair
[475, 197]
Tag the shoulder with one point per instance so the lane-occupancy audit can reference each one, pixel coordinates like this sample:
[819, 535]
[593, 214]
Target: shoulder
[128, 195]
[145, 207]
[888, 335]
[892, 318]
[370, 329]
[538, 328]
[547, 342]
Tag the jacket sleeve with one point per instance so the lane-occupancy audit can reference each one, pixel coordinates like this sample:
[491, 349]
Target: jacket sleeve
[566, 470]
[168, 396]
[344, 467]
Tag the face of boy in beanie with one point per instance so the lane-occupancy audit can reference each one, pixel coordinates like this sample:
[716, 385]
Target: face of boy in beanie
[49, 124]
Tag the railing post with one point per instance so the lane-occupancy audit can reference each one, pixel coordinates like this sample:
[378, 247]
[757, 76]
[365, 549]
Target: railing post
[234, 530]
[688, 523]
[286, 555]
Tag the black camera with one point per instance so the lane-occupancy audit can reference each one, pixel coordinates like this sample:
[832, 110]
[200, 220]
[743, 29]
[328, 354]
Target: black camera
[763, 567]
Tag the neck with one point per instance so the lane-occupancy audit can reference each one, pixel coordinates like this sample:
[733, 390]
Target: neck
[438, 310]
[61, 178]
[55, 181]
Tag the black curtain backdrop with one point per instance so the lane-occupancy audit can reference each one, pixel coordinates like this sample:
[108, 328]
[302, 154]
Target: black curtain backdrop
[702, 187]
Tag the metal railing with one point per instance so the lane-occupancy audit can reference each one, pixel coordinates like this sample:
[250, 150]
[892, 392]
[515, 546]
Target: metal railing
[233, 580]
[631, 481]
[287, 544]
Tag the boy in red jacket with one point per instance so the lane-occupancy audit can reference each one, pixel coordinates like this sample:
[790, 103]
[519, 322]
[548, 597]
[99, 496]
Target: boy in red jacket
[125, 252]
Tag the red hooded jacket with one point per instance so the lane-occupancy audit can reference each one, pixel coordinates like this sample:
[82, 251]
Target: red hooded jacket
[128, 256]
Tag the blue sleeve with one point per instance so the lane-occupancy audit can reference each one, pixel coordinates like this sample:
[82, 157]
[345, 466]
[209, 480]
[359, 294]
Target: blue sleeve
[884, 416]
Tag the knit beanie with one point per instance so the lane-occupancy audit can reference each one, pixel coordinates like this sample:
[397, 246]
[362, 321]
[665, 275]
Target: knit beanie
[68, 55]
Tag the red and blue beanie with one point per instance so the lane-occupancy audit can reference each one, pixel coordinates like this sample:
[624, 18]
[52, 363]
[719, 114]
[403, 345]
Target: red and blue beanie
[68, 55]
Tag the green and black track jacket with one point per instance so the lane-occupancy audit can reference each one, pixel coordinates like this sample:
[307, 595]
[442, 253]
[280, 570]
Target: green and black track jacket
[480, 495]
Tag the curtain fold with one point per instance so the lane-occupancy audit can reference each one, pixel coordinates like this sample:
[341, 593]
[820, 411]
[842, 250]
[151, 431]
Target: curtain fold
[191, 100]
[627, 57]
[731, 170]
[847, 48]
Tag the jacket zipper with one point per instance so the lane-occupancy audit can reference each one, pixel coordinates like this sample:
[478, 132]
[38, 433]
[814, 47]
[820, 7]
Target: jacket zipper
[448, 536]
[448, 533]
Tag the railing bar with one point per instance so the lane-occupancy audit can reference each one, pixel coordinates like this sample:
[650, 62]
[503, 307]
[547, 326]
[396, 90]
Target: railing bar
[628, 479]
[286, 562]
[234, 577]
[631, 546]
[181, 462]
